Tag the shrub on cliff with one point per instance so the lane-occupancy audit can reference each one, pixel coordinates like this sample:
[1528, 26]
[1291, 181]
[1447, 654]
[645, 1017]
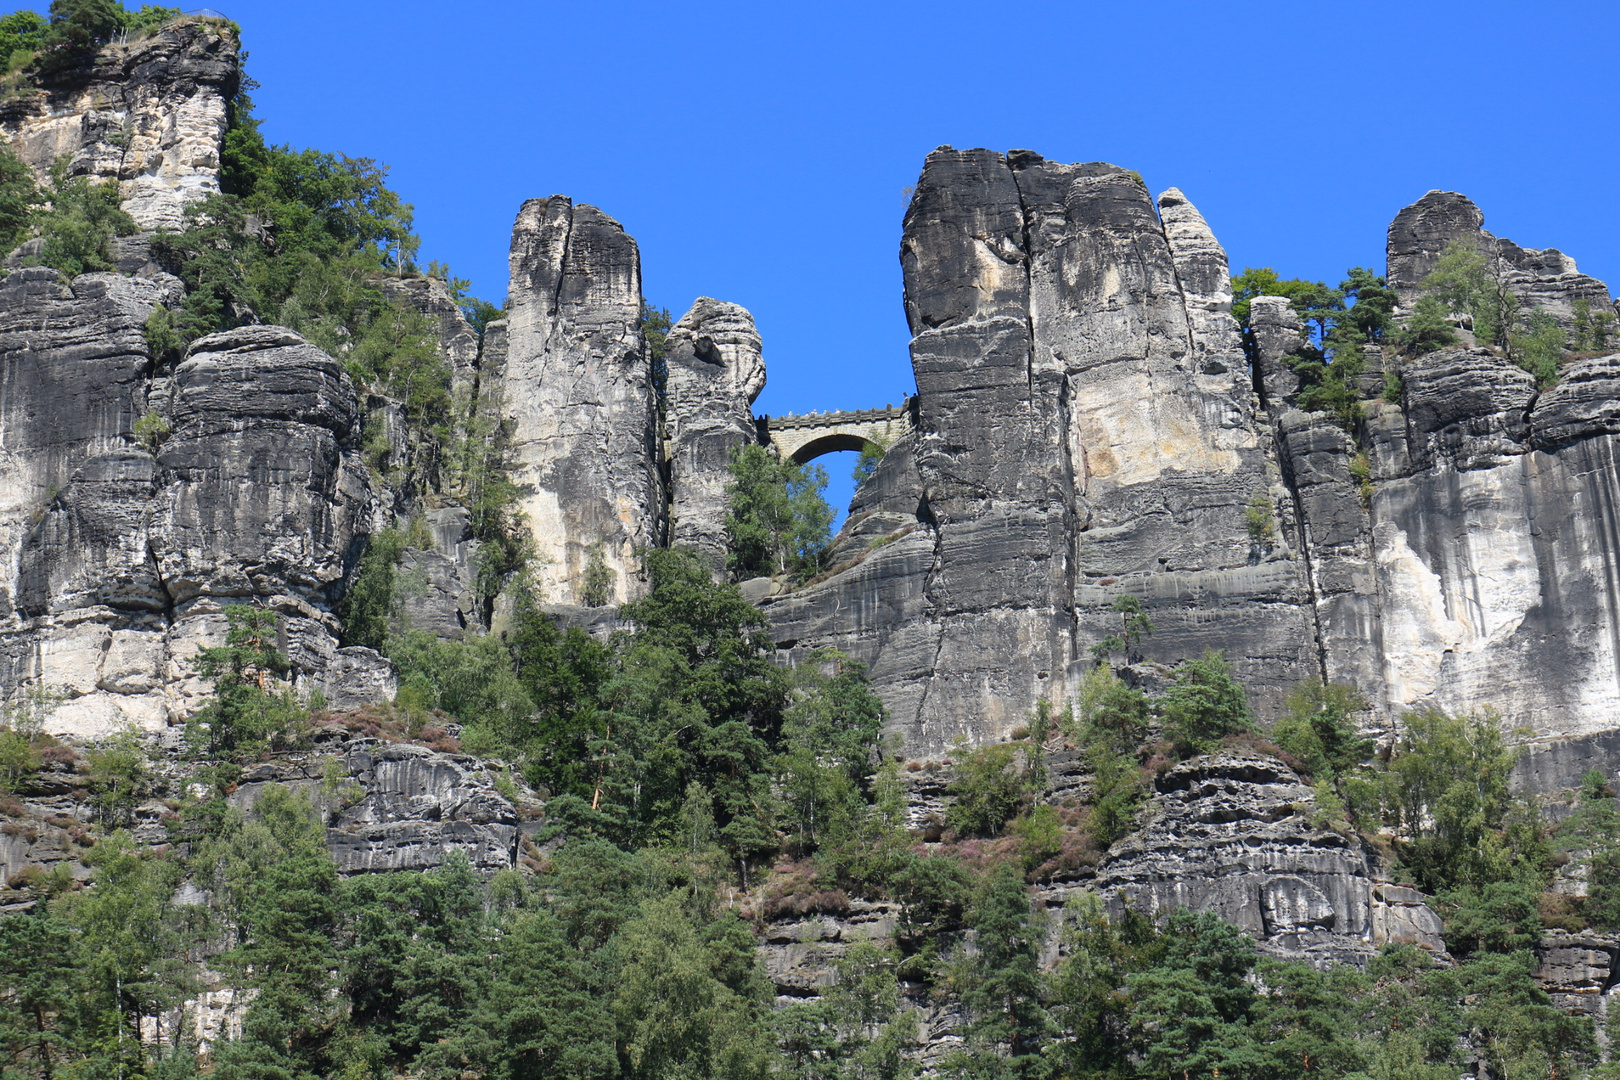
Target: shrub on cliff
[1204, 704]
[79, 226]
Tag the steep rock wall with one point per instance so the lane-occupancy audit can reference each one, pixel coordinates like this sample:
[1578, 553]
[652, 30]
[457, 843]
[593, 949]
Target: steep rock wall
[715, 371]
[578, 389]
[1085, 431]
[125, 552]
[149, 115]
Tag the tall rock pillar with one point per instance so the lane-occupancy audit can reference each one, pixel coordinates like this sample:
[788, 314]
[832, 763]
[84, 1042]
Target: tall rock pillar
[579, 391]
[992, 451]
[715, 373]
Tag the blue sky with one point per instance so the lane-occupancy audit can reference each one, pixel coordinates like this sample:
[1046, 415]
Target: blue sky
[759, 152]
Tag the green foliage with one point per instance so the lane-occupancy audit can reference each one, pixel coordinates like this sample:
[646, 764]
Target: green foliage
[251, 710]
[1393, 390]
[148, 19]
[867, 461]
[655, 325]
[19, 195]
[1134, 625]
[1592, 330]
[78, 28]
[1361, 474]
[988, 790]
[120, 777]
[1002, 986]
[777, 521]
[1261, 518]
[1318, 728]
[1429, 327]
[1117, 791]
[1537, 345]
[370, 607]
[597, 587]
[1447, 790]
[1204, 705]
[1465, 283]
[83, 217]
[152, 430]
[855, 1028]
[21, 34]
[1110, 711]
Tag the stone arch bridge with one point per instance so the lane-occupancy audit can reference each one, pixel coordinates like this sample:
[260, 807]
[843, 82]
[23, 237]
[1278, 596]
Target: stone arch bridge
[803, 437]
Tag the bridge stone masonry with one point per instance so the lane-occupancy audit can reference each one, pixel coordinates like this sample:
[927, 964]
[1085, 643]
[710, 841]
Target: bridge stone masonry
[803, 437]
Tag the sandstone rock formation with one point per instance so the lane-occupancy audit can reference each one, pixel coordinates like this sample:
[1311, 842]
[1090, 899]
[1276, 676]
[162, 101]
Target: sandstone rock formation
[1231, 833]
[249, 489]
[1543, 280]
[715, 373]
[1085, 431]
[578, 386]
[149, 114]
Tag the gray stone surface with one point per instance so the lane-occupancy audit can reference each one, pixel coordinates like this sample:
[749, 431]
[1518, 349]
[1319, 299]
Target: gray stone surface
[256, 494]
[149, 115]
[1231, 833]
[1543, 280]
[577, 388]
[1085, 430]
[715, 373]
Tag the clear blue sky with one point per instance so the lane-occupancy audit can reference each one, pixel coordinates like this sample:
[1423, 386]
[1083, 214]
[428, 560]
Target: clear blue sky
[758, 152]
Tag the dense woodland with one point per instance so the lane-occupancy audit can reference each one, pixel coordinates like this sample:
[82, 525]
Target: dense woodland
[694, 789]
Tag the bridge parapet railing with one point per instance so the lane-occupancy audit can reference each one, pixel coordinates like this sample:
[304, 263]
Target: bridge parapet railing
[836, 418]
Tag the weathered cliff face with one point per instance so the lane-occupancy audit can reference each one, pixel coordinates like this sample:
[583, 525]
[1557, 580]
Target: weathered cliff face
[715, 373]
[1545, 280]
[1085, 431]
[1231, 833]
[125, 550]
[149, 114]
[578, 387]
[1494, 543]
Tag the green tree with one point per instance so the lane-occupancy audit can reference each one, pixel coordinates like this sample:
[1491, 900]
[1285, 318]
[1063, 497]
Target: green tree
[1002, 988]
[777, 521]
[250, 709]
[83, 218]
[21, 34]
[120, 776]
[1448, 784]
[689, 999]
[655, 326]
[855, 1029]
[988, 789]
[1203, 705]
[40, 973]
[1318, 727]
[1537, 345]
[19, 195]
[1192, 1014]
[279, 869]
[1134, 625]
[866, 463]
[78, 28]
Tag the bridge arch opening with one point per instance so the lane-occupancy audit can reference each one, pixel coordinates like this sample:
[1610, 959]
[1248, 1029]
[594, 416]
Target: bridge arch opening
[830, 443]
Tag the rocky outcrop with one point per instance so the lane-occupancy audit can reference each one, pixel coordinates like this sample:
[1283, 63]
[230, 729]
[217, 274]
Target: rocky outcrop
[1542, 280]
[1232, 833]
[149, 115]
[715, 371]
[1085, 431]
[1277, 333]
[578, 388]
[246, 487]
[397, 805]
[1493, 550]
